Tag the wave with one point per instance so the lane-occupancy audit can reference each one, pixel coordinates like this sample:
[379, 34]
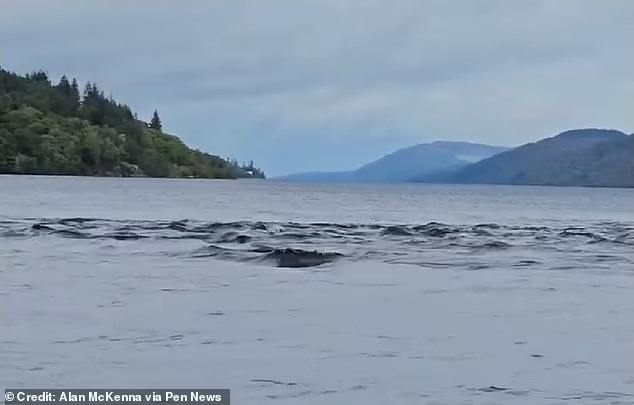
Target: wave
[292, 244]
[282, 257]
[301, 258]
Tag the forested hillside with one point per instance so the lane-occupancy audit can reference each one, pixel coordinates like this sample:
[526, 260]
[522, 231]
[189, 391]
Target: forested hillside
[60, 129]
[582, 157]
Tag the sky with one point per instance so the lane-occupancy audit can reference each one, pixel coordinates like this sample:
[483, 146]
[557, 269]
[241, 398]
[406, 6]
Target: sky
[308, 85]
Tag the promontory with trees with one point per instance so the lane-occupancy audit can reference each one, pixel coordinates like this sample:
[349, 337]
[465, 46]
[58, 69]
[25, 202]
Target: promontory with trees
[60, 129]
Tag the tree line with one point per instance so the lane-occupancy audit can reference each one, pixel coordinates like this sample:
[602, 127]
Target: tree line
[58, 129]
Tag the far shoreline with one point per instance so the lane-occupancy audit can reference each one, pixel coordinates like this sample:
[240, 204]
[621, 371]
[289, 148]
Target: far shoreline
[314, 183]
[127, 177]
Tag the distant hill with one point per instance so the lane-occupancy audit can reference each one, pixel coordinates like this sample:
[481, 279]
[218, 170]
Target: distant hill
[58, 129]
[408, 163]
[581, 157]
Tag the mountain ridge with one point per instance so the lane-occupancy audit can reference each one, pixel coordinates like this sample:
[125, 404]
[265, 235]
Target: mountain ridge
[589, 157]
[404, 163]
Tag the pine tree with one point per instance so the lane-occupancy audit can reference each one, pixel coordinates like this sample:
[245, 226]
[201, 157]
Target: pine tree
[60, 100]
[75, 87]
[74, 92]
[87, 91]
[155, 123]
[64, 86]
[39, 76]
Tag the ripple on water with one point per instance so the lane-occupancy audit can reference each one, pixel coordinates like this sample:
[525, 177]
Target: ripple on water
[297, 245]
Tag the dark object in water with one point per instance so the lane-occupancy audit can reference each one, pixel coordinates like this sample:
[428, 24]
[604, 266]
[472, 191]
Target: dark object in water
[301, 258]
[233, 237]
[394, 230]
[273, 382]
[40, 227]
[492, 388]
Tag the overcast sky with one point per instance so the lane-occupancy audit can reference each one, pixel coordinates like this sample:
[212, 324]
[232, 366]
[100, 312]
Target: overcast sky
[329, 85]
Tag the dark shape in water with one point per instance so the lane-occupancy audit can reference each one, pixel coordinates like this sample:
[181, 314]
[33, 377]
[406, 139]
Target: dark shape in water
[126, 236]
[492, 388]
[233, 236]
[579, 232]
[293, 258]
[41, 227]
[273, 382]
[523, 263]
[180, 226]
[478, 266]
[435, 229]
[396, 231]
[490, 226]
[66, 233]
[74, 221]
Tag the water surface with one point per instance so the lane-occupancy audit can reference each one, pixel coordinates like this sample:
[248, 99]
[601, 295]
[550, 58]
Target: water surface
[427, 293]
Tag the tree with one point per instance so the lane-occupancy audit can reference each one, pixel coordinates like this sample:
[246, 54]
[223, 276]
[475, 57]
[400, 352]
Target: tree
[155, 123]
[74, 94]
[62, 100]
[64, 86]
[87, 91]
[48, 128]
[39, 76]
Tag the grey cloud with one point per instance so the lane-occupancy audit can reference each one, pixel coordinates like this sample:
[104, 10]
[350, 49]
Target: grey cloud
[231, 75]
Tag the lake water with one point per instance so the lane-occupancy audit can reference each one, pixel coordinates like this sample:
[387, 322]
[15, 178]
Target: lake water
[428, 294]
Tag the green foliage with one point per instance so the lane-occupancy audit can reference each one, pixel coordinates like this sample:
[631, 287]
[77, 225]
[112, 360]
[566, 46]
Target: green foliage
[155, 123]
[52, 129]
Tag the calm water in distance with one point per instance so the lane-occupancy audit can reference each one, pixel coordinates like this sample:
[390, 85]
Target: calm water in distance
[437, 294]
